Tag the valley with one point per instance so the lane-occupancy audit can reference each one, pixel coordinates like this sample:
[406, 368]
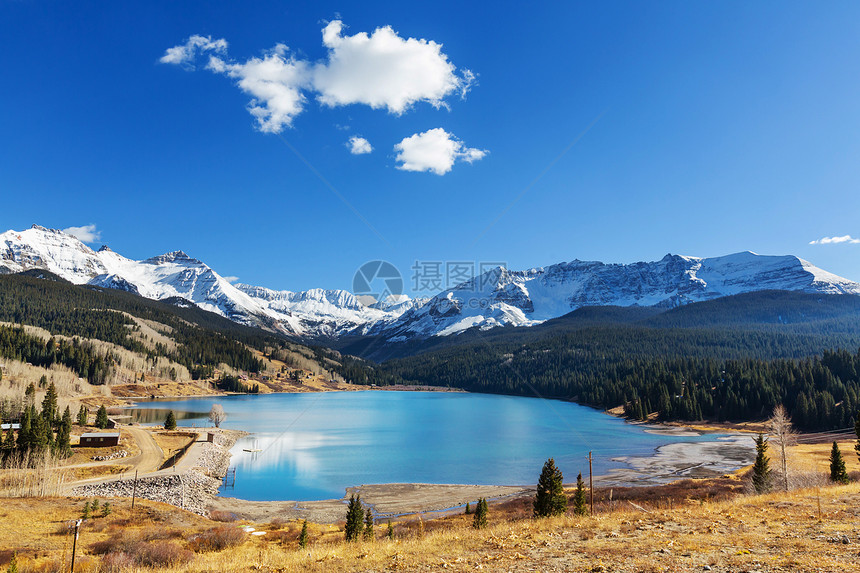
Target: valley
[702, 360]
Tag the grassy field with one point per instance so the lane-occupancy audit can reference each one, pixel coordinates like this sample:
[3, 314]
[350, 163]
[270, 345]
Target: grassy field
[685, 527]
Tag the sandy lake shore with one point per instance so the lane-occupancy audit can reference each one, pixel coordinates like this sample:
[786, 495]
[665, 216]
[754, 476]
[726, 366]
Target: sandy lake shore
[671, 462]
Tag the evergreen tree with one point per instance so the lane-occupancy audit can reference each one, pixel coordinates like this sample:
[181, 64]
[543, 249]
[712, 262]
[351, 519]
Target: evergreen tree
[102, 418]
[550, 499]
[170, 422]
[762, 474]
[63, 443]
[106, 509]
[94, 506]
[368, 525]
[468, 509]
[49, 404]
[41, 434]
[838, 473]
[354, 519]
[24, 432]
[85, 514]
[479, 521]
[857, 431]
[9, 442]
[390, 530]
[13, 565]
[303, 536]
[30, 394]
[83, 414]
[66, 419]
[579, 503]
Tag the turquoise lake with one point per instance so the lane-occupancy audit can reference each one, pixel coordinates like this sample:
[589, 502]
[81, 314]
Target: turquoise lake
[314, 445]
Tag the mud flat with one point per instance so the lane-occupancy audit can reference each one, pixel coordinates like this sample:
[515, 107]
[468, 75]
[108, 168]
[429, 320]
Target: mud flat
[386, 500]
[683, 460]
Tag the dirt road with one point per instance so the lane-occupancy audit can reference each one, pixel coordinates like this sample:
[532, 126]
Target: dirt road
[150, 457]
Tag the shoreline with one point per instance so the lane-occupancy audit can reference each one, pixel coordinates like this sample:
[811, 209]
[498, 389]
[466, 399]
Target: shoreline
[669, 462]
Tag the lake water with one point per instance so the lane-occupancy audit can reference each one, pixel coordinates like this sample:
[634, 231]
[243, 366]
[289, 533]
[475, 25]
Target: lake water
[314, 445]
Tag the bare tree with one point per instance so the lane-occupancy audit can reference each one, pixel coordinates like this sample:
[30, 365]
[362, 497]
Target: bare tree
[782, 435]
[217, 415]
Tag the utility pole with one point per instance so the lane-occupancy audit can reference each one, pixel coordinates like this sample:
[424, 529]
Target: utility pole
[590, 483]
[134, 489]
[75, 542]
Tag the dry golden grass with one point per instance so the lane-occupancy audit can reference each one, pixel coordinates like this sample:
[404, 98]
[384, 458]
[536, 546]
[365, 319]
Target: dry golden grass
[816, 457]
[776, 532]
[170, 442]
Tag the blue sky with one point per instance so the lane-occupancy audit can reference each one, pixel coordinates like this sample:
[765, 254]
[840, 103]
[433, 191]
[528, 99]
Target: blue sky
[608, 131]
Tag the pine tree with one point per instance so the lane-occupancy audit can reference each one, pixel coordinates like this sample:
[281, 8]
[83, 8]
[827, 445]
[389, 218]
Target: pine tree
[550, 499]
[63, 443]
[94, 506]
[838, 473]
[85, 514]
[579, 504]
[102, 418]
[762, 477]
[390, 530]
[9, 444]
[170, 422]
[303, 536]
[479, 521]
[13, 565]
[354, 519]
[83, 414]
[106, 509]
[857, 431]
[368, 525]
[468, 509]
[24, 432]
[49, 404]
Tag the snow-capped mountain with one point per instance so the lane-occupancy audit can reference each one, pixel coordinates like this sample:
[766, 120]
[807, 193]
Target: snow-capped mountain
[315, 313]
[327, 313]
[170, 275]
[524, 298]
[497, 297]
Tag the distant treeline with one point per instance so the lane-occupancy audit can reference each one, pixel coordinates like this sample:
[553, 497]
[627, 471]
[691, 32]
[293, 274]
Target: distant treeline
[234, 384]
[679, 373]
[80, 357]
[203, 339]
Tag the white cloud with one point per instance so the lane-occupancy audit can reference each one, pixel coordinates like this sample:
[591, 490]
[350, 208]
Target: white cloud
[86, 234]
[385, 71]
[434, 150]
[834, 240]
[274, 83]
[231, 280]
[185, 55]
[381, 70]
[358, 145]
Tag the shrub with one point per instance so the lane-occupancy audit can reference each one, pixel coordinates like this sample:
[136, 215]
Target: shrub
[225, 516]
[164, 553]
[116, 544]
[216, 539]
[117, 562]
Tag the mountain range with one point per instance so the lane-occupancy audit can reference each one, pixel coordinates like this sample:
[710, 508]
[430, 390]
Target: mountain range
[495, 298]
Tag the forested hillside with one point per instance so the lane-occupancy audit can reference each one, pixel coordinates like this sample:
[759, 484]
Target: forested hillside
[728, 359]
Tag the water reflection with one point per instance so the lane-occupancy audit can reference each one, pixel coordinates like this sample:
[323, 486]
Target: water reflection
[313, 446]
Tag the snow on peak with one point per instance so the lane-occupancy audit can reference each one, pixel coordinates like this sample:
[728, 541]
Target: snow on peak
[524, 298]
[498, 296]
[172, 257]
